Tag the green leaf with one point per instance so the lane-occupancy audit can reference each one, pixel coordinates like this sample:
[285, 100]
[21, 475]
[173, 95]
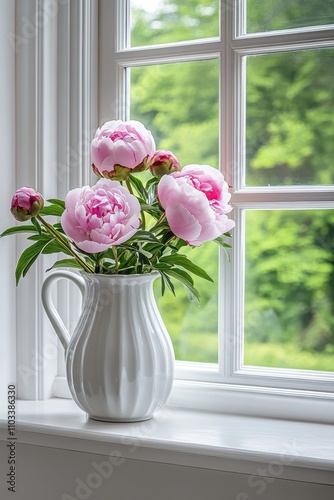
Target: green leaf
[108, 254]
[150, 209]
[55, 247]
[167, 236]
[144, 236]
[58, 227]
[187, 282]
[163, 284]
[160, 227]
[161, 266]
[152, 182]
[143, 258]
[65, 263]
[165, 280]
[155, 247]
[36, 224]
[180, 243]
[137, 183]
[145, 206]
[52, 210]
[19, 229]
[30, 263]
[151, 191]
[183, 261]
[221, 242]
[41, 237]
[141, 202]
[59, 203]
[28, 257]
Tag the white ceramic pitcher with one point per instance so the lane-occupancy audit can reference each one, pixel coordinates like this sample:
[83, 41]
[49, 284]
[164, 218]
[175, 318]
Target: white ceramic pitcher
[120, 359]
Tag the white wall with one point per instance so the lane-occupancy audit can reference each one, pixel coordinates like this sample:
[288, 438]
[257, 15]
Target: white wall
[55, 474]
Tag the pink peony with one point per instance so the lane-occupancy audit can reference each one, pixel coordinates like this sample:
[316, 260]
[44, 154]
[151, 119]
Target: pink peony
[196, 203]
[26, 203]
[120, 148]
[164, 162]
[100, 216]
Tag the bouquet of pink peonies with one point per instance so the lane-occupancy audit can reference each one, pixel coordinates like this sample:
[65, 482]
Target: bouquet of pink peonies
[121, 225]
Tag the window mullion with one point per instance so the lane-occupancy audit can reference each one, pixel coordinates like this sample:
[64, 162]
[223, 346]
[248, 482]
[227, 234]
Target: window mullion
[229, 95]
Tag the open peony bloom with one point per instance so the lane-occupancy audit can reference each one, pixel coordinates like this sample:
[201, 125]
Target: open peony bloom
[26, 203]
[100, 216]
[120, 148]
[196, 203]
[164, 162]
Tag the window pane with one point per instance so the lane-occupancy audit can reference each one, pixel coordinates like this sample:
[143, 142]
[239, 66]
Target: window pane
[183, 118]
[289, 118]
[289, 308]
[166, 21]
[286, 14]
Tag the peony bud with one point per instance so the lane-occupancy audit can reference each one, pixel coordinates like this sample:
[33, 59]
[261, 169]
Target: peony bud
[26, 203]
[164, 162]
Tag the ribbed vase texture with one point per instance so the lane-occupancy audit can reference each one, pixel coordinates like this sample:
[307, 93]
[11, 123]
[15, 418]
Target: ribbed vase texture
[120, 359]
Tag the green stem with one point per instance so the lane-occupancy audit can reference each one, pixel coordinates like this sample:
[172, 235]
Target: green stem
[97, 259]
[128, 184]
[170, 239]
[114, 251]
[127, 262]
[65, 244]
[161, 218]
[143, 226]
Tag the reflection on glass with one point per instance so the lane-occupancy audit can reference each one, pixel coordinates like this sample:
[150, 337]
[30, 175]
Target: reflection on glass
[289, 302]
[156, 22]
[182, 114]
[287, 14]
[289, 118]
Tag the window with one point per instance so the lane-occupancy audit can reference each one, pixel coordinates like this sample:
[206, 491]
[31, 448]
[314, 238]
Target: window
[242, 85]
[252, 85]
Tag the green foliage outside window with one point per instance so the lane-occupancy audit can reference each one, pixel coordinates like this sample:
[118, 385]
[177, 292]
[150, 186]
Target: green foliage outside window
[290, 130]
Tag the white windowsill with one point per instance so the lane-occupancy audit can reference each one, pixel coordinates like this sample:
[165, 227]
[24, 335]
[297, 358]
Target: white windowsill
[300, 451]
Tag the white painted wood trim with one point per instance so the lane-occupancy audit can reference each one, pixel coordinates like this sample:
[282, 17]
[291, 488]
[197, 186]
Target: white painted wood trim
[77, 122]
[8, 261]
[225, 442]
[35, 146]
[242, 399]
[56, 116]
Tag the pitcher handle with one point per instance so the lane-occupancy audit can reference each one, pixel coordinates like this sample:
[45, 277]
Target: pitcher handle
[49, 306]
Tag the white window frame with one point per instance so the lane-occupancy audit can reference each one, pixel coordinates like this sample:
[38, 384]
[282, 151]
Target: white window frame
[65, 114]
[229, 376]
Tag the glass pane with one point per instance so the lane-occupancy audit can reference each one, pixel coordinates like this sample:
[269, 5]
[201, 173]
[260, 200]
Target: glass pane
[289, 118]
[289, 308]
[287, 14]
[183, 118]
[156, 22]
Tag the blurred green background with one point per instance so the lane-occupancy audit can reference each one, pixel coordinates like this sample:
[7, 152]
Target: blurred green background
[289, 303]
